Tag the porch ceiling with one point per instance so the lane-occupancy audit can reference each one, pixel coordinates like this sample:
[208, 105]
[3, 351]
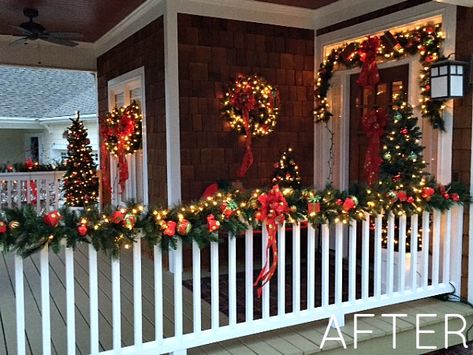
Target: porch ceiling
[92, 18]
[310, 4]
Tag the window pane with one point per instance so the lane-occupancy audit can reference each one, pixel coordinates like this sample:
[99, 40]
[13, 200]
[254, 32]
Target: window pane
[119, 99]
[135, 94]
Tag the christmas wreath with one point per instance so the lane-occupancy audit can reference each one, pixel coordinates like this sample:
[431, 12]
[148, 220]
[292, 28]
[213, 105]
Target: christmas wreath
[121, 134]
[251, 108]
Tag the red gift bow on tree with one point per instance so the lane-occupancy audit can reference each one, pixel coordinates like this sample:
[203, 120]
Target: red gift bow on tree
[272, 212]
[373, 123]
[244, 100]
[369, 75]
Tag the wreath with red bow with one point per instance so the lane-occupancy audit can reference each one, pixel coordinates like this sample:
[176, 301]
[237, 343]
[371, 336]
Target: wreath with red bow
[121, 134]
[251, 108]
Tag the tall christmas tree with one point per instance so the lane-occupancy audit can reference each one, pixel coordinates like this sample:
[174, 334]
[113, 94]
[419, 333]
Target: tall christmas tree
[403, 163]
[286, 173]
[80, 180]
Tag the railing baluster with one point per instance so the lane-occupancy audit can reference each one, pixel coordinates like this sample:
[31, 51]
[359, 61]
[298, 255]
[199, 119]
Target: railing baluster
[264, 257]
[158, 292]
[282, 269]
[402, 253]
[310, 266]
[20, 306]
[94, 302]
[456, 248]
[352, 262]
[390, 259]
[365, 254]
[249, 275]
[425, 247]
[447, 232]
[414, 247]
[214, 285]
[338, 262]
[70, 304]
[116, 304]
[377, 255]
[436, 248]
[9, 193]
[178, 314]
[137, 289]
[232, 301]
[296, 267]
[45, 305]
[325, 265]
[196, 290]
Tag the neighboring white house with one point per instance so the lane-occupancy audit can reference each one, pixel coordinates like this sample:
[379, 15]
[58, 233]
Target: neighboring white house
[35, 107]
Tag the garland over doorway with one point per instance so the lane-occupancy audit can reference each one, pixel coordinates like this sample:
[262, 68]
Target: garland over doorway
[425, 41]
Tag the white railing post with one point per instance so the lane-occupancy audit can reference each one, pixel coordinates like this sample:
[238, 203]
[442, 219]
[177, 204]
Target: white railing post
[70, 304]
[456, 248]
[402, 253]
[249, 275]
[352, 274]
[414, 252]
[137, 296]
[265, 256]
[325, 265]
[116, 305]
[377, 255]
[196, 289]
[94, 300]
[310, 267]
[45, 305]
[20, 306]
[365, 253]
[214, 285]
[282, 269]
[296, 267]
[158, 293]
[232, 284]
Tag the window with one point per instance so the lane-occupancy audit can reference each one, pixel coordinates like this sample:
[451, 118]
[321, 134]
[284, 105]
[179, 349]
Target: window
[122, 91]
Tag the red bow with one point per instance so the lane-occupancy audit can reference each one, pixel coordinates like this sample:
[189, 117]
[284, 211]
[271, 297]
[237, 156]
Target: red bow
[369, 75]
[373, 124]
[272, 212]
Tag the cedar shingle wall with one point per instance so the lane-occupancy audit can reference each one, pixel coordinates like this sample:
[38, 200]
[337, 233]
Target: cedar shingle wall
[144, 48]
[212, 52]
[462, 114]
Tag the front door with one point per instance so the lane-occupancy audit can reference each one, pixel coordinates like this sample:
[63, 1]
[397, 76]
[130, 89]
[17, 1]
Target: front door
[392, 86]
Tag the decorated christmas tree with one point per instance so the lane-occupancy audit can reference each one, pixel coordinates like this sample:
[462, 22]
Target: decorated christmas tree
[402, 165]
[80, 180]
[286, 173]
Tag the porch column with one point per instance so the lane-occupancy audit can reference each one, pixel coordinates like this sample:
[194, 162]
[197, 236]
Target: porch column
[171, 77]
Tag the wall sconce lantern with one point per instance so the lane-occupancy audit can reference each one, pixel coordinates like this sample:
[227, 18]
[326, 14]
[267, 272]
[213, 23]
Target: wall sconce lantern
[447, 79]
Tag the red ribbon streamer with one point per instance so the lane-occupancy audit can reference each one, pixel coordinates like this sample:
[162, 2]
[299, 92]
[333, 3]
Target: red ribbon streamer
[369, 75]
[104, 160]
[373, 123]
[248, 157]
[272, 212]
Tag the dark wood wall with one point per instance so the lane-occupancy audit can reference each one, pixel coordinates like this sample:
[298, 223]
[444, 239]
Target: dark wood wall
[144, 48]
[212, 52]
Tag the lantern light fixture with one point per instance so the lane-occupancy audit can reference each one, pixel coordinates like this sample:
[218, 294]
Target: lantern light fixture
[447, 79]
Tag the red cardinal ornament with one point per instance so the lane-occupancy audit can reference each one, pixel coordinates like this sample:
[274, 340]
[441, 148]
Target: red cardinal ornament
[349, 204]
[427, 192]
[170, 230]
[117, 217]
[52, 219]
[212, 224]
[184, 227]
[3, 227]
[402, 196]
[82, 230]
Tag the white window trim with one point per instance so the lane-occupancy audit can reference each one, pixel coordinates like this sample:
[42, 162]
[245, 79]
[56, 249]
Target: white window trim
[132, 79]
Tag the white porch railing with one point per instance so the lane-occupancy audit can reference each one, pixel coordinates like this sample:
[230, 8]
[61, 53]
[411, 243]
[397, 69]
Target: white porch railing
[42, 189]
[352, 268]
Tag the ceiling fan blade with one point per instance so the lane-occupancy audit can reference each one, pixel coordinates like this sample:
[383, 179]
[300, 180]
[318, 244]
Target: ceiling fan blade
[21, 29]
[67, 35]
[18, 42]
[60, 41]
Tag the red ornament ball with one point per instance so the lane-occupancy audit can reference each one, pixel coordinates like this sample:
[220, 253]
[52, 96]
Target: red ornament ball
[410, 199]
[52, 219]
[117, 217]
[402, 196]
[82, 230]
[170, 230]
[3, 227]
[455, 197]
[184, 227]
[427, 192]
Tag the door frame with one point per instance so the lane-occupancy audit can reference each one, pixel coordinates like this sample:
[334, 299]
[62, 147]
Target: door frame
[443, 142]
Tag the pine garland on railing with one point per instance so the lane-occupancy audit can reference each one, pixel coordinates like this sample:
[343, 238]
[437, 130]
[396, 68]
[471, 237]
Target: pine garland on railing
[24, 232]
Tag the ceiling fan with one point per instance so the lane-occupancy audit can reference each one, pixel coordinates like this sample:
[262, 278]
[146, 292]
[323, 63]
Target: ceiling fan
[32, 31]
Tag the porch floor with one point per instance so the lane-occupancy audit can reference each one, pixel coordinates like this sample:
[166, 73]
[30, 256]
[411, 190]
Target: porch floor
[306, 338]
